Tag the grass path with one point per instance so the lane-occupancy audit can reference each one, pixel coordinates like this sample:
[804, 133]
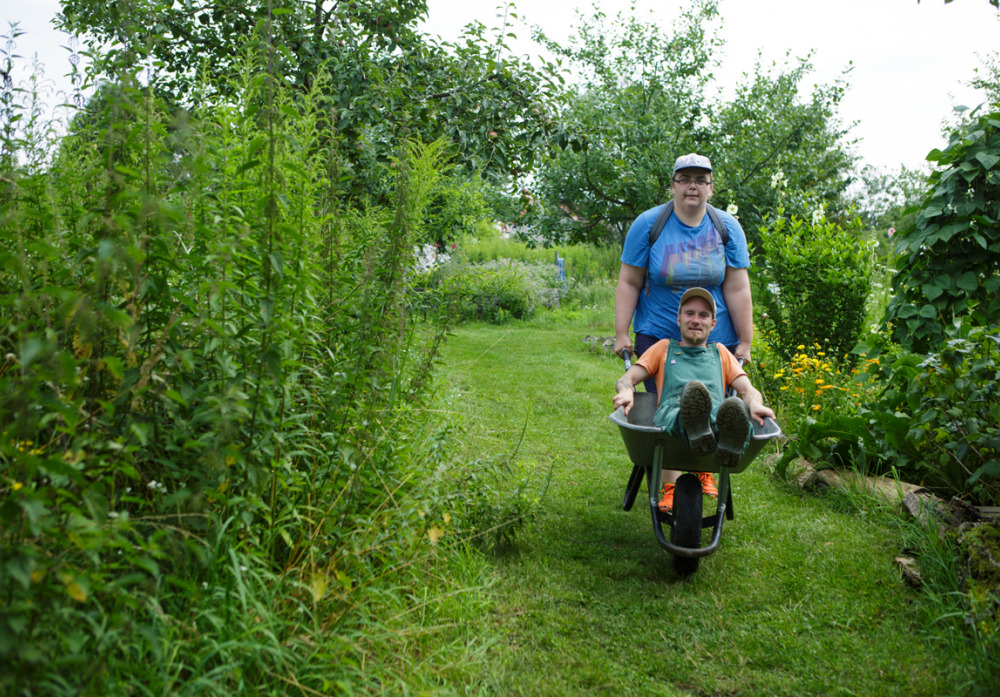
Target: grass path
[801, 599]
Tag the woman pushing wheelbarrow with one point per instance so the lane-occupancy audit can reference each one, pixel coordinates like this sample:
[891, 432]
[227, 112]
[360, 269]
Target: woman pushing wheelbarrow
[692, 427]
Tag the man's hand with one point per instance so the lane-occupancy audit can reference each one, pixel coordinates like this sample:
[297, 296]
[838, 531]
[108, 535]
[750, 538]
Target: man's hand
[625, 387]
[752, 398]
[758, 411]
[626, 394]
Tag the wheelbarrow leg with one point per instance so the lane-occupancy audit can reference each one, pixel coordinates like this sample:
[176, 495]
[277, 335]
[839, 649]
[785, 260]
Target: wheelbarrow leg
[632, 488]
[726, 493]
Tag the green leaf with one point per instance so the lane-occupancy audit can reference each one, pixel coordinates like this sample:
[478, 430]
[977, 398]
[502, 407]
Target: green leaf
[114, 366]
[266, 310]
[988, 160]
[968, 281]
[32, 349]
[932, 291]
[175, 396]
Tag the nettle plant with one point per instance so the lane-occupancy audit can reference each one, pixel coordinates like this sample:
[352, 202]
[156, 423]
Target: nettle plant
[814, 280]
[950, 257]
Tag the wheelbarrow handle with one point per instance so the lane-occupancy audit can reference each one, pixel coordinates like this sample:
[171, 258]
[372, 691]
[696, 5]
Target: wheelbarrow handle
[626, 355]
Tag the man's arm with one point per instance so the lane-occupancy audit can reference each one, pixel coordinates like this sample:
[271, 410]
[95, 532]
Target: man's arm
[625, 387]
[630, 282]
[752, 397]
[736, 292]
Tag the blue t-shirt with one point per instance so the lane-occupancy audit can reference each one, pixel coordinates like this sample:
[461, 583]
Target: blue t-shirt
[683, 257]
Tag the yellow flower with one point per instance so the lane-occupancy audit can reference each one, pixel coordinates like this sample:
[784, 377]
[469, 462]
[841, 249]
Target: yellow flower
[819, 381]
[800, 347]
[18, 486]
[816, 407]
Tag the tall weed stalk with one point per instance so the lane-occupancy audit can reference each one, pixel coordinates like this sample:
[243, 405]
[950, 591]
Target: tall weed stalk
[212, 394]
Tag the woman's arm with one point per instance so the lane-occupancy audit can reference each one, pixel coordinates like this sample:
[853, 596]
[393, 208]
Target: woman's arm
[736, 293]
[630, 282]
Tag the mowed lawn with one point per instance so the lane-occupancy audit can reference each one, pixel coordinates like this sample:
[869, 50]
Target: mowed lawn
[802, 597]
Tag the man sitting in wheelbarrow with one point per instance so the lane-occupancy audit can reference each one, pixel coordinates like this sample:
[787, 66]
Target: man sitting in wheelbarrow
[692, 378]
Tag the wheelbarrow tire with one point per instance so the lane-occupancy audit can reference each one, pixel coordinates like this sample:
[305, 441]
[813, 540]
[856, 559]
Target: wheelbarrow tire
[686, 528]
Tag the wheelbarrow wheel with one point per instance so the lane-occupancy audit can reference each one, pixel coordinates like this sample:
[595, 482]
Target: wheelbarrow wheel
[686, 528]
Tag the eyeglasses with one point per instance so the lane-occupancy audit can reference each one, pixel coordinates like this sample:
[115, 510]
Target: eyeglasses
[686, 181]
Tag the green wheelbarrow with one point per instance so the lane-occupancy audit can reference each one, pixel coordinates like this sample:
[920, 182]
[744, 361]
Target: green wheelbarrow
[651, 450]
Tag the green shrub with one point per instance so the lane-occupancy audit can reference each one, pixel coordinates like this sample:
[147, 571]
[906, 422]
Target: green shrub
[583, 263]
[936, 421]
[939, 416]
[950, 256]
[813, 285]
[210, 392]
[496, 292]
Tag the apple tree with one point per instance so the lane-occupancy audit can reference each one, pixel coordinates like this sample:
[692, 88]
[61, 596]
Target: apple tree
[645, 96]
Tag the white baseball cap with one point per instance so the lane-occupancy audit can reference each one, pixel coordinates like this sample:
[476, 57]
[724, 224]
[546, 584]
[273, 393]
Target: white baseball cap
[692, 160]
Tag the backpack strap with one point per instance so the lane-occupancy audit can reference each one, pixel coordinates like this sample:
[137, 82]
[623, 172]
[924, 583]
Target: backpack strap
[668, 208]
[661, 220]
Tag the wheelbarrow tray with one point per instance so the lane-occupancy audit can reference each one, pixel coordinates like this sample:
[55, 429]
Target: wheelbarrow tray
[641, 437]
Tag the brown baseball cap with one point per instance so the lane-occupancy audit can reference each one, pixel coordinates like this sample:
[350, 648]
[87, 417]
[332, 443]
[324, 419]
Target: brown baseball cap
[698, 293]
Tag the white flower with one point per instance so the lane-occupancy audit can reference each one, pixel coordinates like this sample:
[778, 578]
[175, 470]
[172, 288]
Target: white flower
[818, 216]
[428, 256]
[778, 179]
[732, 209]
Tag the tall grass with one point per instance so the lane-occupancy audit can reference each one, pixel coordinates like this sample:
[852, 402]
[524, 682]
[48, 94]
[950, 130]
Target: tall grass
[216, 458]
[584, 264]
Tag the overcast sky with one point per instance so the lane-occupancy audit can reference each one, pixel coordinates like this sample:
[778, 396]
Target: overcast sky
[911, 60]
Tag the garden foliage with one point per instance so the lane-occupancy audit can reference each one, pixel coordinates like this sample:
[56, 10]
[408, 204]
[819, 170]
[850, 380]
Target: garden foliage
[497, 292]
[215, 464]
[645, 95]
[950, 257]
[939, 416]
[812, 280]
[935, 422]
[493, 106]
[584, 264]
